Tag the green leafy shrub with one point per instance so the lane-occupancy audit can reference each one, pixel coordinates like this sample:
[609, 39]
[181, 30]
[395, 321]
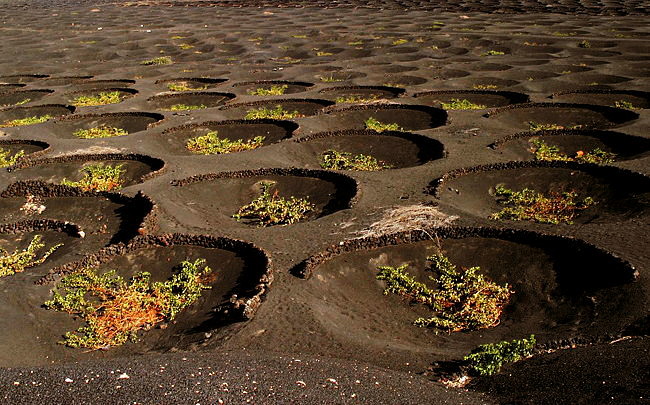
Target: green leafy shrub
[25, 101]
[334, 160]
[186, 107]
[103, 98]
[584, 44]
[19, 260]
[485, 86]
[463, 300]
[536, 126]
[529, 205]
[357, 99]
[375, 125]
[624, 104]
[102, 131]
[543, 151]
[329, 79]
[274, 90]
[211, 144]
[271, 209]
[492, 52]
[26, 121]
[98, 177]
[162, 60]
[464, 104]
[183, 86]
[489, 358]
[277, 113]
[6, 159]
[114, 309]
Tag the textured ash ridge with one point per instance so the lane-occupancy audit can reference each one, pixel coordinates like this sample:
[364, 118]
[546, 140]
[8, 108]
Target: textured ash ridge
[42, 225]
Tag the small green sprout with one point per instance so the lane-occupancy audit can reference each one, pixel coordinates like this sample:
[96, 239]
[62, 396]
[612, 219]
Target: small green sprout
[492, 52]
[211, 144]
[274, 90]
[334, 160]
[400, 41]
[161, 60]
[375, 125]
[625, 104]
[488, 359]
[277, 113]
[26, 121]
[270, 209]
[114, 309]
[330, 79]
[536, 126]
[6, 159]
[20, 260]
[183, 86]
[98, 177]
[464, 104]
[529, 205]
[357, 99]
[102, 131]
[103, 98]
[25, 101]
[564, 34]
[186, 107]
[485, 86]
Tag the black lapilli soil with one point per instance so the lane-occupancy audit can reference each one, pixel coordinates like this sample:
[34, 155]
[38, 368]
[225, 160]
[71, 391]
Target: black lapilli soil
[450, 97]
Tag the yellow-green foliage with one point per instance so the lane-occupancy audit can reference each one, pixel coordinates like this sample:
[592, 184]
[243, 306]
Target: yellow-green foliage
[400, 41]
[183, 86]
[329, 79]
[375, 125]
[625, 104]
[114, 310]
[102, 131]
[211, 144]
[543, 151]
[492, 52]
[334, 160]
[485, 86]
[536, 126]
[274, 90]
[488, 359]
[99, 177]
[277, 113]
[271, 209]
[162, 60]
[19, 260]
[6, 159]
[185, 107]
[464, 104]
[103, 98]
[357, 99]
[462, 300]
[26, 121]
[529, 205]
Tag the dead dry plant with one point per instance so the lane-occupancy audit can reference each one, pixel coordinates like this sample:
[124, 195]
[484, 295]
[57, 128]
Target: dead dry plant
[408, 218]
